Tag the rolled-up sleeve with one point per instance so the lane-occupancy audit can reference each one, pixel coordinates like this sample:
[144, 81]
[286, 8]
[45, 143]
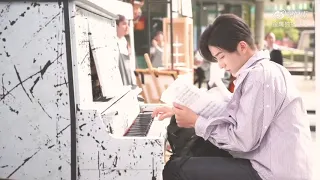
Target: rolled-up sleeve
[240, 131]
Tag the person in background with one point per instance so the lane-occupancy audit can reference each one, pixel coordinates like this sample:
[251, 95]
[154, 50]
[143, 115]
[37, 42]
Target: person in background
[273, 48]
[137, 12]
[202, 71]
[156, 50]
[124, 51]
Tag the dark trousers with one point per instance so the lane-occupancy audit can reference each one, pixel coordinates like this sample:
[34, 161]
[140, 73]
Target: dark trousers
[209, 168]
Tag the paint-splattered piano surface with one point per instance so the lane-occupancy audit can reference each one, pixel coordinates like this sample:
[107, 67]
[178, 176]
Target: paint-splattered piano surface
[63, 110]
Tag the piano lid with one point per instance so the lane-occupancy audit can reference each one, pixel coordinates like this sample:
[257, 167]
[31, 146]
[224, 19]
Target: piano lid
[111, 8]
[101, 7]
[122, 8]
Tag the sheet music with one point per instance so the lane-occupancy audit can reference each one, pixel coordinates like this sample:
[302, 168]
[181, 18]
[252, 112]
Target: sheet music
[212, 102]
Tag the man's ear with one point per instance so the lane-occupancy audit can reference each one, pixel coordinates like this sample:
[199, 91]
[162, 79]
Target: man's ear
[242, 47]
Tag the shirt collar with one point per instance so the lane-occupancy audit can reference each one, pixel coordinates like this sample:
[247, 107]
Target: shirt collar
[274, 47]
[259, 55]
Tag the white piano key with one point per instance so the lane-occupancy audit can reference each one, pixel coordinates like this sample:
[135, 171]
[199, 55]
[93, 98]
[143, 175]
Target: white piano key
[159, 128]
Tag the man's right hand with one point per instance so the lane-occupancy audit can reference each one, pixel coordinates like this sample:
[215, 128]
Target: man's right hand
[163, 112]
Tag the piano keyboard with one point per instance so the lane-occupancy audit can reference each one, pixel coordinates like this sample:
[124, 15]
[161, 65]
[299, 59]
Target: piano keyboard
[141, 125]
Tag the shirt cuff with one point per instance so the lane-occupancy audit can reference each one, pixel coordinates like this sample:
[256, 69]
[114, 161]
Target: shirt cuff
[201, 127]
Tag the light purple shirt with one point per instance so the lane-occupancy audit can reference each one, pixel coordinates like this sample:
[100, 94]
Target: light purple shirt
[265, 122]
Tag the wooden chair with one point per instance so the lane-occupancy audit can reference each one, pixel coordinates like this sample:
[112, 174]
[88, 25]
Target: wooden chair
[149, 88]
[146, 82]
[165, 78]
[153, 76]
[153, 81]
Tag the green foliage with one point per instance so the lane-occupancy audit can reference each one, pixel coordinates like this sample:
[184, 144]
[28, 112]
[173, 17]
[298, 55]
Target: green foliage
[282, 26]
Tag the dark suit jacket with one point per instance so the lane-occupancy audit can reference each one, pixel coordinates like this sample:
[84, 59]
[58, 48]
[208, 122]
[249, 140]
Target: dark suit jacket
[276, 56]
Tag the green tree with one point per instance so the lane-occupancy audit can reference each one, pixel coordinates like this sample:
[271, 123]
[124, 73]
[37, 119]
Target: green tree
[281, 27]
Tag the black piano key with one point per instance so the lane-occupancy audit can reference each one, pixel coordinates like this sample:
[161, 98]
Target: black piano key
[141, 125]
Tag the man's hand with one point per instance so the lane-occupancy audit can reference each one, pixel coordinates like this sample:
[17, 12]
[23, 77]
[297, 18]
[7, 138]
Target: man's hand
[163, 111]
[185, 117]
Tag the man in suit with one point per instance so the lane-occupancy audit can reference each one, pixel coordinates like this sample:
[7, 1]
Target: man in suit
[275, 52]
[202, 71]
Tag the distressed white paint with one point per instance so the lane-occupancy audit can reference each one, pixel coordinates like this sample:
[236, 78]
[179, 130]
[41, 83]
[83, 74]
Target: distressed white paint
[127, 156]
[34, 107]
[103, 152]
[35, 114]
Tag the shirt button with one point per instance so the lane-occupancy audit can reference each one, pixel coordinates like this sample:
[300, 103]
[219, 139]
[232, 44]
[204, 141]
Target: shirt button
[265, 127]
[267, 106]
[267, 85]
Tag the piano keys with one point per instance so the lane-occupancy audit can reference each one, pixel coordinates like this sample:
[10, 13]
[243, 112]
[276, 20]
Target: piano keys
[141, 125]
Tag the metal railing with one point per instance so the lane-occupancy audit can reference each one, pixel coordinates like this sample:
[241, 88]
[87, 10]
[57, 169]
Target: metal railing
[307, 53]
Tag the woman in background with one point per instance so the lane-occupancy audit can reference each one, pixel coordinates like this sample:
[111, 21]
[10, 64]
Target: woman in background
[156, 50]
[124, 55]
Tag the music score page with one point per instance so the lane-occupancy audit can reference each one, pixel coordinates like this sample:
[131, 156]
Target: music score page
[204, 103]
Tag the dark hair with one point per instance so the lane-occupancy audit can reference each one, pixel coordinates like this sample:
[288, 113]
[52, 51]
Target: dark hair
[120, 19]
[225, 32]
[157, 33]
[268, 35]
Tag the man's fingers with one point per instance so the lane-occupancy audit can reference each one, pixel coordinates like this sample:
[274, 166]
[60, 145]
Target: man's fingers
[161, 110]
[177, 111]
[178, 106]
[165, 115]
[179, 123]
[157, 111]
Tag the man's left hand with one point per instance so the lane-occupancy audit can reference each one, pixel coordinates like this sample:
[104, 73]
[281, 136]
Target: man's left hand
[185, 117]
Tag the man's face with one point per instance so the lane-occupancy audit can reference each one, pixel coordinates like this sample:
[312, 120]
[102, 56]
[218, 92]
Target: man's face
[136, 11]
[231, 62]
[123, 28]
[271, 39]
[159, 37]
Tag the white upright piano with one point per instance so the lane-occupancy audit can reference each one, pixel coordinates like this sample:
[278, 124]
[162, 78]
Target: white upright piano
[118, 134]
[64, 113]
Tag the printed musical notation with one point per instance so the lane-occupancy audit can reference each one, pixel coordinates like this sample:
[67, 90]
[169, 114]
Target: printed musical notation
[203, 103]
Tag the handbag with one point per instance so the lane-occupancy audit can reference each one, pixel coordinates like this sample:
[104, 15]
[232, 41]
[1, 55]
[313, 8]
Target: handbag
[185, 143]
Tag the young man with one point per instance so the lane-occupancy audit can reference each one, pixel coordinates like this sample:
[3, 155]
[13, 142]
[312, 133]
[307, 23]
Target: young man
[264, 127]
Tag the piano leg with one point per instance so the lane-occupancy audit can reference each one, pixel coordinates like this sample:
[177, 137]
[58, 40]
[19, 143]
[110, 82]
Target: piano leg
[102, 155]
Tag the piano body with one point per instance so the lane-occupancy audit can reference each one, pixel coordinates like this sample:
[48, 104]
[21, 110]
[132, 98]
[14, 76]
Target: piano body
[63, 112]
